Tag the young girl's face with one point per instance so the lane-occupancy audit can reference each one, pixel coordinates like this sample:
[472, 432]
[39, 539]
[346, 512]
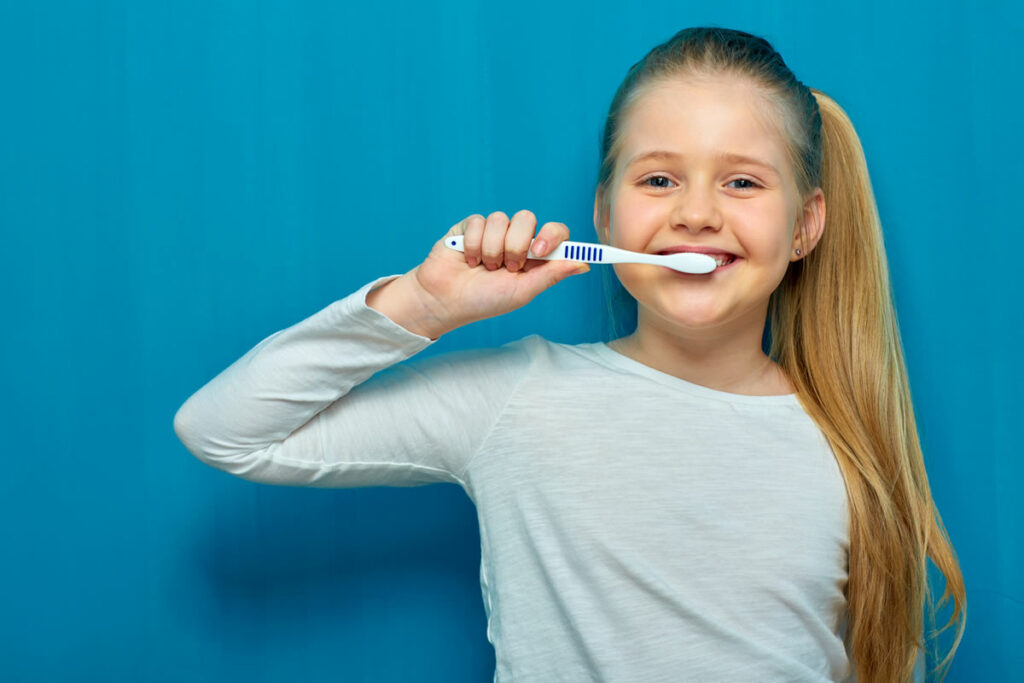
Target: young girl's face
[697, 196]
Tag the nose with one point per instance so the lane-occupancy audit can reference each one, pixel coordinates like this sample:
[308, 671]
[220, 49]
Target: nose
[696, 208]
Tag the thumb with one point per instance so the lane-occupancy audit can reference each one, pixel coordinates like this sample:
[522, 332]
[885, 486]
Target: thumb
[567, 269]
[551, 273]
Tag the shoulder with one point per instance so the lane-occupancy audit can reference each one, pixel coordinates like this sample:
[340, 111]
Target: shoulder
[563, 355]
[509, 364]
[512, 358]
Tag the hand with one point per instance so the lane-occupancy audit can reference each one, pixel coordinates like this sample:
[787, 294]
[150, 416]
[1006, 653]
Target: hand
[492, 276]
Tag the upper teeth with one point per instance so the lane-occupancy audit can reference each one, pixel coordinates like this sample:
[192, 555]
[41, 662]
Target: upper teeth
[720, 259]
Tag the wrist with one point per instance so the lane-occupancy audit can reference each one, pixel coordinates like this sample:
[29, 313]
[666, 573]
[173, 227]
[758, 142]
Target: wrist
[402, 301]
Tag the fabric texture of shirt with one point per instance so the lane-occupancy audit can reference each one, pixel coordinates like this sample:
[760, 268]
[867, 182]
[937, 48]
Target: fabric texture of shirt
[634, 526]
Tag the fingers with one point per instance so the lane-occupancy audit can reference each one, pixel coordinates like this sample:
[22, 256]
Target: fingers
[492, 247]
[496, 240]
[473, 235]
[550, 236]
[518, 238]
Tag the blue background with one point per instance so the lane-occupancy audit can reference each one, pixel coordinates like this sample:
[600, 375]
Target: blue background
[179, 180]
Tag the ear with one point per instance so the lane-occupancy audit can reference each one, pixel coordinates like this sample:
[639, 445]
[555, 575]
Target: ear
[813, 219]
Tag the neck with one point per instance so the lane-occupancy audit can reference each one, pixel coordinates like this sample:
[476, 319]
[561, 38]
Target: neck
[728, 358]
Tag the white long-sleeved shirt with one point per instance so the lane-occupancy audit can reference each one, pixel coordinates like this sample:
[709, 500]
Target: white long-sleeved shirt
[634, 526]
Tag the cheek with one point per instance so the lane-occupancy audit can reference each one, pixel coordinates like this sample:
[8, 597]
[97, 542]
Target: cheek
[638, 280]
[772, 253]
[630, 222]
[772, 243]
[765, 230]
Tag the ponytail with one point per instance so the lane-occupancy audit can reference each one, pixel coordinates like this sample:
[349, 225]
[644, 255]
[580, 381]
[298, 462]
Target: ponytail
[834, 332]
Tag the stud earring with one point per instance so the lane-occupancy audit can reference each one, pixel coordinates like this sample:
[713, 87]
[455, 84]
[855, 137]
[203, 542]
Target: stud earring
[797, 252]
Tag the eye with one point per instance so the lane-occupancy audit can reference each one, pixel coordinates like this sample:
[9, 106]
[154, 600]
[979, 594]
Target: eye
[751, 186]
[646, 181]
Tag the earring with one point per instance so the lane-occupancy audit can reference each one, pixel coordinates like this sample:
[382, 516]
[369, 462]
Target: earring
[797, 252]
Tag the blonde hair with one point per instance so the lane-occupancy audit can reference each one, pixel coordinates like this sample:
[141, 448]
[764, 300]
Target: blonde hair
[832, 328]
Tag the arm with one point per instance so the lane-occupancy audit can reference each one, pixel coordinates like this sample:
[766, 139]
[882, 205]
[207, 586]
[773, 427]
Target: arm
[324, 403]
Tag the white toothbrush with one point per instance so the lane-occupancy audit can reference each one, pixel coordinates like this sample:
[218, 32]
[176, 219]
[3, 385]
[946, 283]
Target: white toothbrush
[684, 261]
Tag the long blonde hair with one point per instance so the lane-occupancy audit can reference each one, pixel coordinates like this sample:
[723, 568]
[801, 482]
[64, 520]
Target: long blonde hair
[832, 328]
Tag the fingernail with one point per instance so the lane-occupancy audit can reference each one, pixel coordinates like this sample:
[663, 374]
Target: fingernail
[538, 247]
[582, 269]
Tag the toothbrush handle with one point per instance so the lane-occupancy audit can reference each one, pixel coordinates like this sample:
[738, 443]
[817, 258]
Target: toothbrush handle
[588, 252]
[569, 250]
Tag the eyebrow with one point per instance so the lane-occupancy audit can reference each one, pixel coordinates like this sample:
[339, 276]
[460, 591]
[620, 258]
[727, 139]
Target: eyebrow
[724, 156]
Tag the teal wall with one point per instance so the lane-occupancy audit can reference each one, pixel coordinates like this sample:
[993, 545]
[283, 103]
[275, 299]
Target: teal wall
[178, 180]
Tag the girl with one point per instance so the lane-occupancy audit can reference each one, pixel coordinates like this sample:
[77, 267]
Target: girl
[676, 504]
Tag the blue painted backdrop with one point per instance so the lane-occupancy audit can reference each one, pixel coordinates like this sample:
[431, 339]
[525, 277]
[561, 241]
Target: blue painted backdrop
[180, 179]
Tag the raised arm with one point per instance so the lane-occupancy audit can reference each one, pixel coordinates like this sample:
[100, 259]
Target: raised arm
[324, 403]
[289, 411]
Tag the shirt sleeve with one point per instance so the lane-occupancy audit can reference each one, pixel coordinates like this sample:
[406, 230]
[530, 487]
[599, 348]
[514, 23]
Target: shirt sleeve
[325, 403]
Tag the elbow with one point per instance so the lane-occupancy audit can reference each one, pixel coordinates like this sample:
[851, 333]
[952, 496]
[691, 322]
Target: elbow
[183, 430]
[190, 435]
[209, 449]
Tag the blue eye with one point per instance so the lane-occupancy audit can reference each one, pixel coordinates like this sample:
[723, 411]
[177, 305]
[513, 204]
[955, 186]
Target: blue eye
[655, 177]
[750, 183]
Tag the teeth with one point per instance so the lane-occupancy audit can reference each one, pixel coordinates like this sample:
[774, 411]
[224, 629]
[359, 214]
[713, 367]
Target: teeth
[720, 259]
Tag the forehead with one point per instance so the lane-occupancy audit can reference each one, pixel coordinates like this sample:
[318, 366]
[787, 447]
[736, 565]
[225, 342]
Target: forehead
[704, 120]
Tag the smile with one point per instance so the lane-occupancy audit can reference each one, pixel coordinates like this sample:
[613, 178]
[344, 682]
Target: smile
[725, 262]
